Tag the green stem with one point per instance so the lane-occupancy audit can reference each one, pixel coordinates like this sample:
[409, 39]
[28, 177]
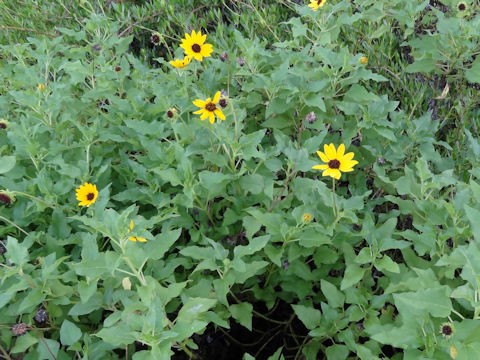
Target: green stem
[335, 211]
[34, 198]
[13, 224]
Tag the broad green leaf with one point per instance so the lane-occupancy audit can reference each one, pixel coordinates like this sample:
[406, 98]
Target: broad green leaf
[309, 316]
[353, 274]
[435, 301]
[7, 163]
[193, 307]
[16, 252]
[243, 314]
[69, 333]
[334, 297]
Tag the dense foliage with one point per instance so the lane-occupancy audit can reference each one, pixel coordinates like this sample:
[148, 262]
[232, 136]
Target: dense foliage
[206, 231]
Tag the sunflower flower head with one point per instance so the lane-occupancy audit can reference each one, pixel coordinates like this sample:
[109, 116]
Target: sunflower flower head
[3, 124]
[135, 238]
[181, 63]
[447, 329]
[87, 194]
[7, 197]
[209, 108]
[156, 38]
[462, 6]
[171, 112]
[363, 60]
[307, 217]
[336, 161]
[194, 45]
[316, 4]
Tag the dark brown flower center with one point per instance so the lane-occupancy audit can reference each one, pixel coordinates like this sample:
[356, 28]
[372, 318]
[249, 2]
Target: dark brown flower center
[170, 113]
[196, 48]
[447, 330]
[461, 6]
[334, 164]
[90, 196]
[223, 103]
[155, 39]
[3, 125]
[319, 2]
[211, 107]
[4, 198]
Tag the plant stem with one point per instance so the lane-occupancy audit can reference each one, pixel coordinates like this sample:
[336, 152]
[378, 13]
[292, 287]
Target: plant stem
[335, 211]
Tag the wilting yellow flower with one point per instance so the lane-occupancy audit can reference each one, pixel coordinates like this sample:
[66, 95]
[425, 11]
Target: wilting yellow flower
[181, 63]
[133, 238]
[315, 4]
[41, 87]
[307, 217]
[336, 161]
[209, 108]
[453, 352]
[194, 45]
[87, 194]
[363, 60]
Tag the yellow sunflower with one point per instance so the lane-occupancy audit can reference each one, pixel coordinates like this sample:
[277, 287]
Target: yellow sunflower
[194, 45]
[133, 238]
[336, 161]
[87, 194]
[181, 63]
[315, 4]
[209, 108]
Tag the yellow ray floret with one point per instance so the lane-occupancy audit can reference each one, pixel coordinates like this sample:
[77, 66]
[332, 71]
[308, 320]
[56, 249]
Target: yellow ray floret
[316, 4]
[181, 63]
[336, 161]
[135, 238]
[209, 109]
[86, 194]
[194, 45]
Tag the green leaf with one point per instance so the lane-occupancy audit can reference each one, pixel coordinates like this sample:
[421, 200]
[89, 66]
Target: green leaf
[387, 264]
[337, 352]
[473, 216]
[243, 314]
[309, 316]
[252, 183]
[256, 244]
[416, 304]
[157, 248]
[353, 274]
[7, 163]
[69, 333]
[118, 335]
[24, 342]
[193, 307]
[334, 297]
[473, 74]
[44, 353]
[17, 253]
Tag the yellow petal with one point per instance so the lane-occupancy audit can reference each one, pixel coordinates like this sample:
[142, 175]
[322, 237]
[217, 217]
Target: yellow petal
[132, 238]
[201, 38]
[335, 173]
[322, 156]
[326, 172]
[329, 151]
[340, 151]
[212, 118]
[131, 225]
[216, 97]
[348, 156]
[198, 112]
[141, 239]
[199, 103]
[219, 113]
[204, 115]
[320, 167]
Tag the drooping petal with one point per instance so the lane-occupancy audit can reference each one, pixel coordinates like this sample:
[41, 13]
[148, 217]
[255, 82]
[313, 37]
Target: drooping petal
[219, 113]
[198, 112]
[132, 238]
[131, 226]
[322, 156]
[212, 118]
[216, 97]
[320, 167]
[141, 239]
[204, 115]
[335, 173]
